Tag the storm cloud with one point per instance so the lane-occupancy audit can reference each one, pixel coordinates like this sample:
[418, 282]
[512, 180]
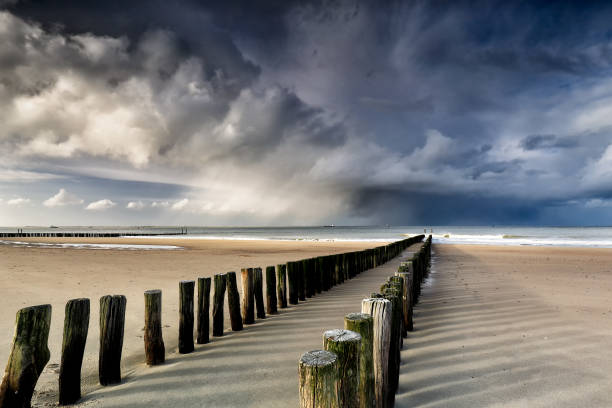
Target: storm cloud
[306, 112]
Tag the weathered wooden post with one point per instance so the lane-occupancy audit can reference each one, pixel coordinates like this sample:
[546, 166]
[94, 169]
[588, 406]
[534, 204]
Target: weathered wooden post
[203, 322]
[29, 355]
[397, 283]
[258, 290]
[185, 343]
[301, 277]
[307, 273]
[323, 273]
[316, 269]
[393, 295]
[76, 327]
[416, 270]
[233, 302]
[292, 280]
[364, 325]
[218, 301]
[155, 351]
[271, 304]
[318, 371]
[408, 266]
[380, 310]
[112, 323]
[281, 285]
[406, 302]
[337, 270]
[347, 346]
[248, 296]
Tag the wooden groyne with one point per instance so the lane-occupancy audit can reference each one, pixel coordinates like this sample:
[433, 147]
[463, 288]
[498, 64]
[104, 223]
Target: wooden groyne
[371, 342]
[83, 234]
[305, 279]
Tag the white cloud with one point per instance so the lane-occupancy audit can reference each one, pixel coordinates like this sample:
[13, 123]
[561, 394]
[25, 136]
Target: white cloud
[180, 205]
[62, 198]
[160, 204]
[17, 202]
[135, 205]
[101, 205]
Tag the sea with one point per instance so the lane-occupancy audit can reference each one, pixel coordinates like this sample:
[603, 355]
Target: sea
[600, 237]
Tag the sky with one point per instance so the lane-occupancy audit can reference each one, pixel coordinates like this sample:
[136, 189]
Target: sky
[305, 113]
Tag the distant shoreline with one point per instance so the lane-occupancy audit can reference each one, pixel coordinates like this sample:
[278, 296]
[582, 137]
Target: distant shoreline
[588, 237]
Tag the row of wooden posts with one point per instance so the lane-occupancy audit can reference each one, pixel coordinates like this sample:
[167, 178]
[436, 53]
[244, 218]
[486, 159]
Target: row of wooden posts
[71, 234]
[359, 365]
[286, 284]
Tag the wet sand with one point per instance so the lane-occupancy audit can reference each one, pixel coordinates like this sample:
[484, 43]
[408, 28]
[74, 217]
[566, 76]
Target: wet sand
[512, 327]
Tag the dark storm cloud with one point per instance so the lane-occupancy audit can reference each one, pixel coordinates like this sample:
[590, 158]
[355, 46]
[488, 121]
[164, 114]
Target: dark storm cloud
[534, 142]
[329, 109]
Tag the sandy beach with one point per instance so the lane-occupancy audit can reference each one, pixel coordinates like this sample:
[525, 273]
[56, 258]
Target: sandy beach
[501, 326]
[496, 325]
[34, 275]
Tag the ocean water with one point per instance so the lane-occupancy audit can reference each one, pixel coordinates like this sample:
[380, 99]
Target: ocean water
[493, 235]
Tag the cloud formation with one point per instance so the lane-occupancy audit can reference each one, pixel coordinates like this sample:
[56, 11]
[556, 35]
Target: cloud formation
[19, 201]
[100, 205]
[62, 198]
[135, 205]
[281, 119]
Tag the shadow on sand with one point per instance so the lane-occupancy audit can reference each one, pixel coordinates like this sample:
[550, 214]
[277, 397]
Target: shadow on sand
[481, 341]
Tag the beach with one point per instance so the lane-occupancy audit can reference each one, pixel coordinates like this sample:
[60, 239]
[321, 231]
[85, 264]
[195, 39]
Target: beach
[511, 326]
[496, 325]
[38, 275]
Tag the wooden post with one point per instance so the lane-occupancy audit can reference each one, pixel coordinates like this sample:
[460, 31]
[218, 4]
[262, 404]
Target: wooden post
[406, 301]
[316, 275]
[364, 325]
[337, 270]
[308, 278]
[380, 310]
[218, 300]
[155, 351]
[203, 322]
[347, 346]
[319, 380]
[185, 343]
[248, 296]
[281, 285]
[416, 270]
[322, 273]
[29, 355]
[408, 267]
[76, 326]
[292, 280]
[233, 302]
[397, 283]
[112, 323]
[394, 296]
[301, 278]
[258, 291]
[271, 304]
